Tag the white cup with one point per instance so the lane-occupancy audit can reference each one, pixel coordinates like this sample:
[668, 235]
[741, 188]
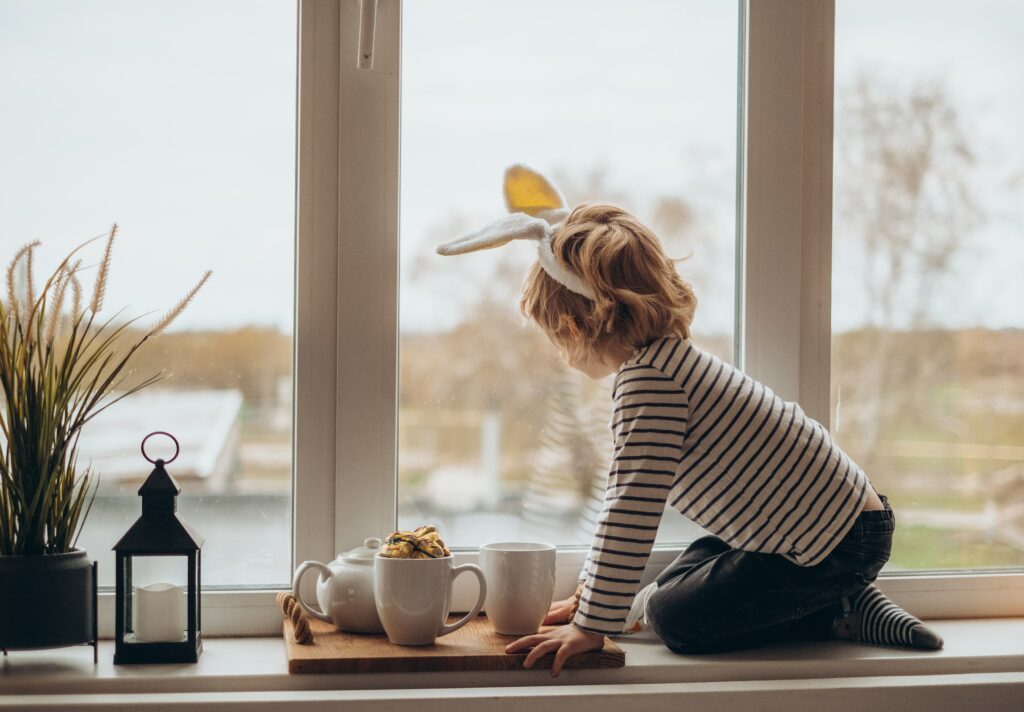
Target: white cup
[413, 597]
[520, 585]
[159, 613]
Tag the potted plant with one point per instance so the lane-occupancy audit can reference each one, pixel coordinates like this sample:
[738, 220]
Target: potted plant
[59, 369]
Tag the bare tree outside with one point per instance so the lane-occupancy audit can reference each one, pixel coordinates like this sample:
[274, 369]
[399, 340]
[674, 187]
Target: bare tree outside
[905, 209]
[911, 395]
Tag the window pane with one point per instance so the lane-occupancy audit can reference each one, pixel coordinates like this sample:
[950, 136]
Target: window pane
[628, 103]
[177, 120]
[927, 370]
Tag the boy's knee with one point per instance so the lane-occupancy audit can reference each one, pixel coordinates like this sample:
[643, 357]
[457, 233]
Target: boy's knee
[680, 630]
[671, 622]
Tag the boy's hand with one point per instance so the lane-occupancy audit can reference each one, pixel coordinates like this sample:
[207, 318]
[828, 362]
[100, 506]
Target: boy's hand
[560, 612]
[564, 641]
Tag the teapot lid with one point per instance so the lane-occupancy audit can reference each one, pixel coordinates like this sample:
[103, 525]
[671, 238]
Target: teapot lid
[362, 554]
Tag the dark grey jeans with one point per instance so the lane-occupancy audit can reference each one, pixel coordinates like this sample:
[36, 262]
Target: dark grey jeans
[714, 598]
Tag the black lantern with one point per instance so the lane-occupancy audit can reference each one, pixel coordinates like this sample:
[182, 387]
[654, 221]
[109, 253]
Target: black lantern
[158, 623]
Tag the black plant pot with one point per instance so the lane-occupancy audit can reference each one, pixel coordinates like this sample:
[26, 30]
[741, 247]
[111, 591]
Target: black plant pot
[47, 601]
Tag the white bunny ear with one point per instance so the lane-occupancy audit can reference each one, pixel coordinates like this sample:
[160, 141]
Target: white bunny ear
[517, 226]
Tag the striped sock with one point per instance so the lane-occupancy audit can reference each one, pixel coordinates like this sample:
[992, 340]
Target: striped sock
[872, 618]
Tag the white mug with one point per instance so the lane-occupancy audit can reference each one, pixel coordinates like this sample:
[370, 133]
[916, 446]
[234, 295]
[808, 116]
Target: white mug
[520, 585]
[413, 597]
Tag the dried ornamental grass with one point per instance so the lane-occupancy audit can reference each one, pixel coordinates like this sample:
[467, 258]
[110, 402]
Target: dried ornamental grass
[58, 371]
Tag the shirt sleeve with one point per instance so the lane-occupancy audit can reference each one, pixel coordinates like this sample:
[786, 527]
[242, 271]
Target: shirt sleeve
[585, 571]
[649, 424]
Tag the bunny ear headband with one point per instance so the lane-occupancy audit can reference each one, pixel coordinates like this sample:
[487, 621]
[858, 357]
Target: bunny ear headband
[536, 208]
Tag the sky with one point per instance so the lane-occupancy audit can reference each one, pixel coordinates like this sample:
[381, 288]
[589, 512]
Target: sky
[177, 120]
[174, 119]
[975, 51]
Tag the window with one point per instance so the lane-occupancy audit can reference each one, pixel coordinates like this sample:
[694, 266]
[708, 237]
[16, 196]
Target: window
[497, 439]
[927, 366]
[205, 145]
[177, 120]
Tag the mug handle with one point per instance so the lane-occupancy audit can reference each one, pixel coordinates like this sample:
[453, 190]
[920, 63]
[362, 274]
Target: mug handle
[299, 572]
[475, 570]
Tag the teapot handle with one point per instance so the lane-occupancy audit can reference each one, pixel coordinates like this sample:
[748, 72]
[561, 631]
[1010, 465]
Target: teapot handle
[297, 586]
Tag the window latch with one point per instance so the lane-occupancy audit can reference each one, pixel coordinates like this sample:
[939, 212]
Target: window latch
[367, 23]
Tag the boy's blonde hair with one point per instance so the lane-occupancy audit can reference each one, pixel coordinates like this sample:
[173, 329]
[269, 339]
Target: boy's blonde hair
[639, 295]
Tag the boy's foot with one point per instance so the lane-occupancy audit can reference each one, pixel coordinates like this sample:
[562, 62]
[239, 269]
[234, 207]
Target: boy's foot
[636, 619]
[870, 617]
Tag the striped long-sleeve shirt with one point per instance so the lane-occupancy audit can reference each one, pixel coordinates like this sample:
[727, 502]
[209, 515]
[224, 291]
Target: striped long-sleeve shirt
[693, 432]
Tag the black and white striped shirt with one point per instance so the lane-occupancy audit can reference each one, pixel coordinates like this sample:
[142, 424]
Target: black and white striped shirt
[694, 432]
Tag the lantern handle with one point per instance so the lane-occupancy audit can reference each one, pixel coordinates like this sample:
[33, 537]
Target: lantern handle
[177, 448]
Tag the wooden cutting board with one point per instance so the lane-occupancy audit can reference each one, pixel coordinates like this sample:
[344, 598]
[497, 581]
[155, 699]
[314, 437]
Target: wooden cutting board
[475, 646]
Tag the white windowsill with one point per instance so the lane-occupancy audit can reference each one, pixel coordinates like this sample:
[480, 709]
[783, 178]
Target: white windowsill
[235, 669]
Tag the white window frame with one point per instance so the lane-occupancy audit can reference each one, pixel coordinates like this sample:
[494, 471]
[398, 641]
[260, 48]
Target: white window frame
[346, 320]
[786, 214]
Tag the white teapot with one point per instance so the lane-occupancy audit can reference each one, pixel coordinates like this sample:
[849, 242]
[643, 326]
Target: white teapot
[344, 590]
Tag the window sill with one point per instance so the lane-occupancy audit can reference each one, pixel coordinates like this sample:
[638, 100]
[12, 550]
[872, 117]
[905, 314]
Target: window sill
[986, 656]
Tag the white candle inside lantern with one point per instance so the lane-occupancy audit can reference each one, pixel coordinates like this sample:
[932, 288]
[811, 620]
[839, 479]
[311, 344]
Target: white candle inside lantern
[159, 613]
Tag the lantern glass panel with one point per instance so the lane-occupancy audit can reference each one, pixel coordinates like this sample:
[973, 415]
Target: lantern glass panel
[156, 569]
[157, 610]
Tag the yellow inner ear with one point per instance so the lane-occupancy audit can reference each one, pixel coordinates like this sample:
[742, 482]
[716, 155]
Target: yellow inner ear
[529, 192]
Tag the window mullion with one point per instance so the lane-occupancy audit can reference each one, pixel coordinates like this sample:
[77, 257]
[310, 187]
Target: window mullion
[367, 280]
[788, 199]
[316, 280]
